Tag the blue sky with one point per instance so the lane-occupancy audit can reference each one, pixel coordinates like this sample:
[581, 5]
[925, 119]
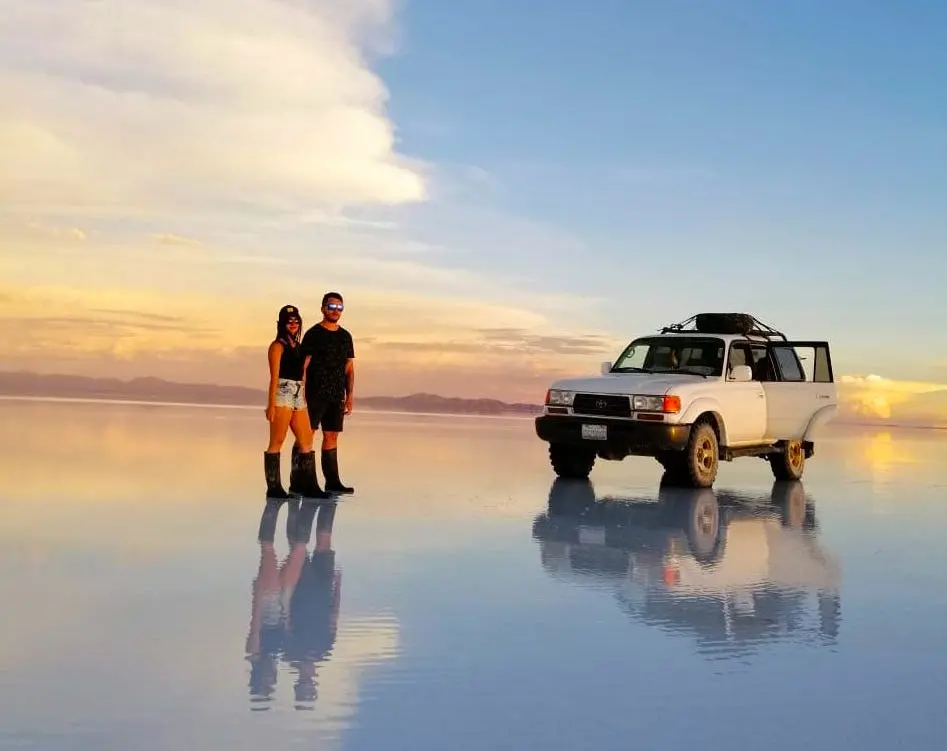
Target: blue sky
[798, 150]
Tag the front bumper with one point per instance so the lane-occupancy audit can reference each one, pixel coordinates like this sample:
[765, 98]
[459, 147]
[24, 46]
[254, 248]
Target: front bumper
[622, 436]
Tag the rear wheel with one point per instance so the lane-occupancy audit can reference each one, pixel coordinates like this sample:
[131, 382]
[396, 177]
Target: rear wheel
[571, 462]
[790, 463]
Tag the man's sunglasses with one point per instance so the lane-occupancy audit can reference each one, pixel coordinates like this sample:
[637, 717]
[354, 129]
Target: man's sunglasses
[335, 306]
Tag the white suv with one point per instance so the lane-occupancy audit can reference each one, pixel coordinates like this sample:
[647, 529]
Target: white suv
[729, 386]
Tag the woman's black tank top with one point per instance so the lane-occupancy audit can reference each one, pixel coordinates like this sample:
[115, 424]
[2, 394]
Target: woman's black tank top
[291, 361]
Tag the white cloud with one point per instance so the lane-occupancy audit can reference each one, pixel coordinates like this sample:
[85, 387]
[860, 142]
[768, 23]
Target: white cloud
[152, 105]
[875, 396]
[168, 238]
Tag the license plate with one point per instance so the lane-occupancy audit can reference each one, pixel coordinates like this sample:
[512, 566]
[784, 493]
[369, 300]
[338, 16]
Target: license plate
[591, 535]
[595, 432]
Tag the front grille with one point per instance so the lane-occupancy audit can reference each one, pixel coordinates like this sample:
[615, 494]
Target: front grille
[603, 405]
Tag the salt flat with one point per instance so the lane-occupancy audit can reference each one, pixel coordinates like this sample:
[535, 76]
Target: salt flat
[462, 598]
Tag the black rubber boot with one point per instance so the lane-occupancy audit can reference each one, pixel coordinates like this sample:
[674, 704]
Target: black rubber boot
[267, 529]
[302, 529]
[274, 485]
[307, 484]
[292, 511]
[330, 468]
[294, 483]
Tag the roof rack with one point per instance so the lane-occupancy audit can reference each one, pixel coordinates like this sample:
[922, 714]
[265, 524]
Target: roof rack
[725, 323]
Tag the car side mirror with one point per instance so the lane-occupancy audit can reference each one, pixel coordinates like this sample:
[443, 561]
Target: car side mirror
[741, 374]
[606, 367]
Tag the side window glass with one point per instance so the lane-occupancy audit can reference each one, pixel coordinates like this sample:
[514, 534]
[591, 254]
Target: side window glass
[822, 371]
[737, 357]
[788, 364]
[762, 367]
[815, 361]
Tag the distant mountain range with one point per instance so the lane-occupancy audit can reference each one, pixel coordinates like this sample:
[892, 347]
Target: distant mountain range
[25, 383]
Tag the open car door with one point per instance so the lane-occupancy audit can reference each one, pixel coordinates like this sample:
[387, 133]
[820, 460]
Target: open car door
[801, 386]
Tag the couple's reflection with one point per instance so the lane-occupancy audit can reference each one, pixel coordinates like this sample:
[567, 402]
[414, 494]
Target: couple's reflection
[731, 570]
[295, 605]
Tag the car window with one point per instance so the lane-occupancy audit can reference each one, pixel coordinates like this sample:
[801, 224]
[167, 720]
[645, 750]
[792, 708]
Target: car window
[703, 355]
[788, 364]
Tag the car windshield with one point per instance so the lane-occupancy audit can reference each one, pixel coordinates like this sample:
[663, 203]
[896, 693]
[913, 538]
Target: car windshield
[665, 354]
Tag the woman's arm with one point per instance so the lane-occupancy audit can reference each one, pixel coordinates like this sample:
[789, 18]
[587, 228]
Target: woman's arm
[273, 355]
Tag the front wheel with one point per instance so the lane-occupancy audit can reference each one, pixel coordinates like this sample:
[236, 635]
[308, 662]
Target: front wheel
[701, 456]
[790, 463]
[570, 462]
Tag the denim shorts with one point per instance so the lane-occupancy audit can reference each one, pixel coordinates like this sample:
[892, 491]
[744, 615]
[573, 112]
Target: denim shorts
[290, 394]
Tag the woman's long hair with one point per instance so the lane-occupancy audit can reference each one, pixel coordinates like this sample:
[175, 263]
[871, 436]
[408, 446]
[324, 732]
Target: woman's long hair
[282, 332]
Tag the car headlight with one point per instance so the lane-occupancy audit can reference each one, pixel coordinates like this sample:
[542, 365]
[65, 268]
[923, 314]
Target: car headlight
[559, 397]
[648, 403]
[656, 403]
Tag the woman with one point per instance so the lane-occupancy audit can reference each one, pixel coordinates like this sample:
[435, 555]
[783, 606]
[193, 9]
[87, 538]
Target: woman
[286, 408]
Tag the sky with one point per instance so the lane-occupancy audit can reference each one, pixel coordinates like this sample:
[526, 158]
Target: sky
[503, 196]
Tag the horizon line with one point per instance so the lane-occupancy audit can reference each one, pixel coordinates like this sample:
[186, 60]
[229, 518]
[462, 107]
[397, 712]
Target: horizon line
[254, 389]
[513, 414]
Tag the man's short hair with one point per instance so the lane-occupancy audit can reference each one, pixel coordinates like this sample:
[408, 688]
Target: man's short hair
[330, 296]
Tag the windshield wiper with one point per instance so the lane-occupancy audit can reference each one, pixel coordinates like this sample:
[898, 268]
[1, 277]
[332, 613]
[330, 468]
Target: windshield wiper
[630, 369]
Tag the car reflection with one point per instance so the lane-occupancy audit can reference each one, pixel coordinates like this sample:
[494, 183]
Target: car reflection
[732, 571]
[295, 605]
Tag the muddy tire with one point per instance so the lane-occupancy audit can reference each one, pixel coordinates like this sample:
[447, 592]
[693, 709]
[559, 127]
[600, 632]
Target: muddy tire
[789, 464]
[700, 458]
[571, 462]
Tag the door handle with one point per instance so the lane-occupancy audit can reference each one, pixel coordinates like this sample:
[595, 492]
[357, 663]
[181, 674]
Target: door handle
[823, 396]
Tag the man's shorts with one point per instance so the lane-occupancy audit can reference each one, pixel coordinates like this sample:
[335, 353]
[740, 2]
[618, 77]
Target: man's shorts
[290, 394]
[329, 414]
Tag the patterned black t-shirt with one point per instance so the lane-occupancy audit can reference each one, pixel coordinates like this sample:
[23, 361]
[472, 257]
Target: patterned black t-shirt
[330, 350]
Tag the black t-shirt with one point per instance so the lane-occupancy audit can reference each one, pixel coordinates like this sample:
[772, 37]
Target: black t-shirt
[329, 350]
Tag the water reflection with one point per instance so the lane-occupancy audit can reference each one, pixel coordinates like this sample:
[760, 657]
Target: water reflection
[295, 605]
[731, 571]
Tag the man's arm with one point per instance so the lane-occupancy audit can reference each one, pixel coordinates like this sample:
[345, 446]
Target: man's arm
[349, 384]
[305, 349]
[349, 373]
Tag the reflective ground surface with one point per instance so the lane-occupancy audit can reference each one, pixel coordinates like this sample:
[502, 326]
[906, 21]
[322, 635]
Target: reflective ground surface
[461, 599]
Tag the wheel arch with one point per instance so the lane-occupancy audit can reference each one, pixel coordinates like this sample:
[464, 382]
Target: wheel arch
[819, 420]
[709, 411]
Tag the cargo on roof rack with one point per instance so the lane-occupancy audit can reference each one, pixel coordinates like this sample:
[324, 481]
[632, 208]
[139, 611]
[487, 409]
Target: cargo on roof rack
[725, 323]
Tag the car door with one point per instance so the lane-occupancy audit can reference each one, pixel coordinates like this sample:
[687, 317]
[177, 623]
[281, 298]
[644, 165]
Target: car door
[743, 403]
[801, 385]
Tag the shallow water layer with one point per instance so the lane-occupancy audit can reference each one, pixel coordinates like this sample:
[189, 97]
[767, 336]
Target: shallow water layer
[461, 598]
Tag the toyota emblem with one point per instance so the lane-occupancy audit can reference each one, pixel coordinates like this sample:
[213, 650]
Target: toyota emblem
[601, 403]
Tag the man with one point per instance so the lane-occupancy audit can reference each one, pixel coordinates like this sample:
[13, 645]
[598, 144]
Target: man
[329, 373]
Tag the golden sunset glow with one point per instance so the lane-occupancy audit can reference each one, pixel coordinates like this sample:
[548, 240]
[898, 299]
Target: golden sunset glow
[405, 343]
[172, 308]
[875, 398]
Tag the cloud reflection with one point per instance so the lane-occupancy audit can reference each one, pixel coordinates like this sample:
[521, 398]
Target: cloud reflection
[730, 571]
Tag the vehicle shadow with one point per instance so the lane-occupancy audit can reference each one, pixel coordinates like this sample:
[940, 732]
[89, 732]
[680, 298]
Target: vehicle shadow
[732, 570]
